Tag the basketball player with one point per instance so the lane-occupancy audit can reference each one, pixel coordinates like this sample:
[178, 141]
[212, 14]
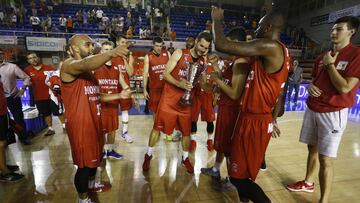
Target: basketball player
[80, 92]
[170, 113]
[256, 123]
[154, 66]
[203, 103]
[336, 75]
[125, 65]
[108, 79]
[37, 72]
[231, 82]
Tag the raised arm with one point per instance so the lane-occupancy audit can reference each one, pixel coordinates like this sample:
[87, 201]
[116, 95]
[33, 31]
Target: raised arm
[170, 67]
[146, 76]
[75, 67]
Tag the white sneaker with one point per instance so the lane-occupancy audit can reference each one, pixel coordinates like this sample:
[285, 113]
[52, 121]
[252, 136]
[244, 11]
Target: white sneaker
[87, 200]
[125, 136]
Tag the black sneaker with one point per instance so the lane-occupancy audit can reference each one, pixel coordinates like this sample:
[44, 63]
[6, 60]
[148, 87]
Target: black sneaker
[13, 168]
[263, 166]
[50, 132]
[11, 177]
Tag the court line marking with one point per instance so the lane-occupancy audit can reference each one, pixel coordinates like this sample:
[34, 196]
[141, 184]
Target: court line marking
[188, 186]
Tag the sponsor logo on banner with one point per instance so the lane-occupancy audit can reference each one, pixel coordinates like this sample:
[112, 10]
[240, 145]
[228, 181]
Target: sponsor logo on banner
[45, 44]
[351, 11]
[8, 40]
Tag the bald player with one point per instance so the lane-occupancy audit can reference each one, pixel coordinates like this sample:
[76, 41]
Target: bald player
[125, 65]
[170, 113]
[256, 123]
[81, 95]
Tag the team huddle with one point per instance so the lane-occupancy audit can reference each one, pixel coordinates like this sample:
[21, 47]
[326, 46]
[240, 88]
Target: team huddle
[247, 91]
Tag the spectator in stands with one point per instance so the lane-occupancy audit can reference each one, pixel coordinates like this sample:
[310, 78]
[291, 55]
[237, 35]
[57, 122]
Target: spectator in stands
[33, 8]
[142, 33]
[86, 16]
[208, 26]
[35, 22]
[7, 172]
[190, 42]
[62, 23]
[130, 32]
[99, 14]
[148, 33]
[294, 80]
[1, 17]
[9, 73]
[43, 7]
[69, 25]
[148, 17]
[187, 24]
[36, 70]
[171, 49]
[128, 21]
[13, 20]
[93, 18]
[79, 17]
[172, 35]
[47, 23]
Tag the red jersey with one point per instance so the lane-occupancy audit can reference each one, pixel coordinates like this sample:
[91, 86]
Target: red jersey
[40, 89]
[3, 105]
[157, 65]
[262, 89]
[120, 65]
[172, 94]
[224, 99]
[348, 65]
[82, 118]
[108, 79]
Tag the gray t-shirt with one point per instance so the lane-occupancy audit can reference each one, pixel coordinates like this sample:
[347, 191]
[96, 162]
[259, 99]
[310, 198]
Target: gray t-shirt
[295, 77]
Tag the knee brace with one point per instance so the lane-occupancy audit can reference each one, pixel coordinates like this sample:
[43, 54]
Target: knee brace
[210, 127]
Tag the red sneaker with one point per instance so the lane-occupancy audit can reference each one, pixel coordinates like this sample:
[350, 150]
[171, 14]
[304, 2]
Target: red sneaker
[210, 145]
[146, 164]
[100, 187]
[187, 164]
[301, 186]
[192, 146]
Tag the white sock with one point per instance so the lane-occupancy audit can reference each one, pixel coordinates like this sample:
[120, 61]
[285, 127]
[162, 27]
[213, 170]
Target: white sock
[50, 128]
[185, 155]
[125, 121]
[211, 136]
[98, 175]
[91, 184]
[84, 200]
[150, 151]
[308, 183]
[111, 147]
[63, 125]
[193, 137]
[216, 167]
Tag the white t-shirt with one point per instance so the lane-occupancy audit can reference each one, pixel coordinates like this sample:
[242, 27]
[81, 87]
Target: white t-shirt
[99, 13]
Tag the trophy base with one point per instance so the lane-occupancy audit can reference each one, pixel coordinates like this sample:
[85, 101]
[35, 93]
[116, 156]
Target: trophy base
[184, 102]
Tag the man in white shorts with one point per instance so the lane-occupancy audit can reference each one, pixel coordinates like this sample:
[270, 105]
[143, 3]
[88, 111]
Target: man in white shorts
[333, 89]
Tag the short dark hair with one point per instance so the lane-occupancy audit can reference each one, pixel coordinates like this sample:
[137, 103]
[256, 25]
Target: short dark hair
[108, 43]
[351, 21]
[157, 40]
[237, 33]
[31, 52]
[204, 35]
[120, 36]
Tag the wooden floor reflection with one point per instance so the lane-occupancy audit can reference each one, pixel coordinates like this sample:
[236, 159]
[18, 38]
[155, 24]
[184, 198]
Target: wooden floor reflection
[49, 170]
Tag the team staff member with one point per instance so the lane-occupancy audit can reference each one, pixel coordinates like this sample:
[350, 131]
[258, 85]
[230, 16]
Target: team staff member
[45, 106]
[170, 113]
[81, 95]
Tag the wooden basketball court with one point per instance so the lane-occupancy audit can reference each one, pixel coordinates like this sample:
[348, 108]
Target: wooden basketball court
[49, 171]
